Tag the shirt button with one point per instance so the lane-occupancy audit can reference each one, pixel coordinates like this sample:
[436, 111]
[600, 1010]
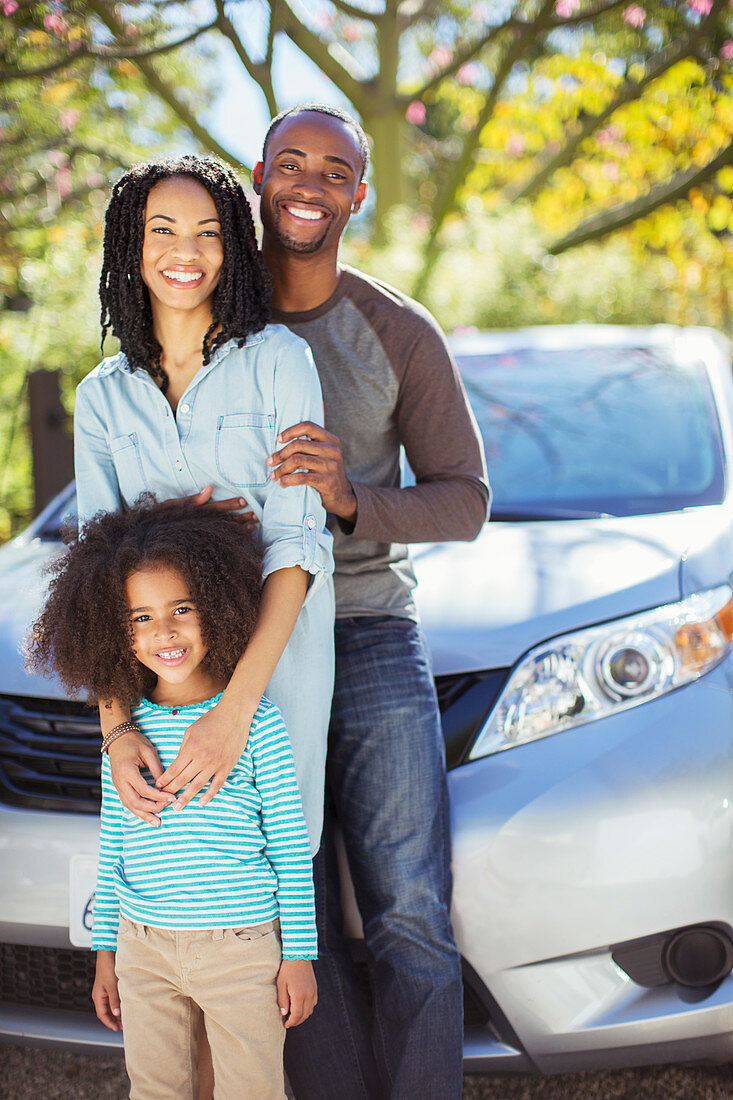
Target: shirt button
[185, 408]
[310, 522]
[179, 466]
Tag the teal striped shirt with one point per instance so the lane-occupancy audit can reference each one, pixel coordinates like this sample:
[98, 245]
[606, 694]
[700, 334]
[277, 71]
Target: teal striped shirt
[243, 859]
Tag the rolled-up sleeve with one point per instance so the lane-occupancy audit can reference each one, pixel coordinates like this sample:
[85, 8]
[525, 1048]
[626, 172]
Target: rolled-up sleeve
[97, 486]
[293, 520]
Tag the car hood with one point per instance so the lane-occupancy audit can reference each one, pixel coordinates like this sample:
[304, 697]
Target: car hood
[484, 604]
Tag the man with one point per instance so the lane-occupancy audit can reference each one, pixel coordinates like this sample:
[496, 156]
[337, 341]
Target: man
[387, 381]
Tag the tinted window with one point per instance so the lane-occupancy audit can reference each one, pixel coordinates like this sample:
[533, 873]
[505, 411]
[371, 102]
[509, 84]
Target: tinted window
[623, 431]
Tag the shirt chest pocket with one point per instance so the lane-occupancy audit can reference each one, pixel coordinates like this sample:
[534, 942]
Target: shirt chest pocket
[243, 443]
[128, 464]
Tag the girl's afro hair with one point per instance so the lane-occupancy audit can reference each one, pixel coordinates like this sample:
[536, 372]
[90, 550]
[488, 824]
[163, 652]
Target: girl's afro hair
[84, 634]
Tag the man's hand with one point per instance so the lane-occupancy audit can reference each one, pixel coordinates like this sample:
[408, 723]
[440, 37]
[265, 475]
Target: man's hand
[104, 991]
[209, 750]
[231, 504]
[297, 992]
[127, 756]
[319, 462]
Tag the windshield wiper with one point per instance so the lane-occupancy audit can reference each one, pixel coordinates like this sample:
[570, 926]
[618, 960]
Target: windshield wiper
[516, 515]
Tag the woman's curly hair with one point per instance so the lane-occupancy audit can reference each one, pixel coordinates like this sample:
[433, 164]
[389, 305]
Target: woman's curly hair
[84, 633]
[241, 301]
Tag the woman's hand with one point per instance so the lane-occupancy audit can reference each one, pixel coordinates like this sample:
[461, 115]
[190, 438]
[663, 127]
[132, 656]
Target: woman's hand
[209, 750]
[127, 756]
[297, 992]
[105, 993]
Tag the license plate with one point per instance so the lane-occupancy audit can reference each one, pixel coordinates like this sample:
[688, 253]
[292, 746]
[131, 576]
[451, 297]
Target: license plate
[82, 881]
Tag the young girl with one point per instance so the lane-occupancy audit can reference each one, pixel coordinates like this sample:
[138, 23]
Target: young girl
[194, 401]
[154, 606]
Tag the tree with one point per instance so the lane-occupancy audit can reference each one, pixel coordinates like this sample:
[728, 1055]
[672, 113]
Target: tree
[394, 62]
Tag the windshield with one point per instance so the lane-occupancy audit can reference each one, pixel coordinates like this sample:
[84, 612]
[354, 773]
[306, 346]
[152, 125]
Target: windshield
[588, 431]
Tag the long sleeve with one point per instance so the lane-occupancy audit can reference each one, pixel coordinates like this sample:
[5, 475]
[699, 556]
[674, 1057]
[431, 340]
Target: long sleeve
[294, 520]
[285, 833]
[97, 487]
[106, 906]
[438, 431]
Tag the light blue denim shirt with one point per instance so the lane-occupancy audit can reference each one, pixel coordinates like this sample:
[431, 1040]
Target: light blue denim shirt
[128, 441]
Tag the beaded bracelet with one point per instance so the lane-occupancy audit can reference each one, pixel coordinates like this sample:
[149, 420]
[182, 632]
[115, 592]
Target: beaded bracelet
[117, 731]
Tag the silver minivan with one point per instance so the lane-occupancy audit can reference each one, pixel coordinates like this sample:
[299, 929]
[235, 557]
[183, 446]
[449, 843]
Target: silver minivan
[582, 658]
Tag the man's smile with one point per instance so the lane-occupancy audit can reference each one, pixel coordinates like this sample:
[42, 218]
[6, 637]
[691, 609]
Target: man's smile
[305, 213]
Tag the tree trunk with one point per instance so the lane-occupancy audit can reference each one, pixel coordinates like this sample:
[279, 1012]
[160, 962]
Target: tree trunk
[386, 131]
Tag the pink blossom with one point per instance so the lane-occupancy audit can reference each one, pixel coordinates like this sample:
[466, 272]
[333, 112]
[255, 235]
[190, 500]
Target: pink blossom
[351, 33]
[9, 6]
[468, 73]
[565, 8]
[611, 170]
[68, 119]
[440, 57]
[57, 158]
[54, 24]
[415, 113]
[635, 15]
[515, 145]
[726, 50]
[63, 182]
[701, 6]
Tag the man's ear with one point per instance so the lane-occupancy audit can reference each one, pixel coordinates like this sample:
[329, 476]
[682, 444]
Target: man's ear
[257, 177]
[359, 197]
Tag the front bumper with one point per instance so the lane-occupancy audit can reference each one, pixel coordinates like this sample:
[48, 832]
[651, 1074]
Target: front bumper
[565, 847]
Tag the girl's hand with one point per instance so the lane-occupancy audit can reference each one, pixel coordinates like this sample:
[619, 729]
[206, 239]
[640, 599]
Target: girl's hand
[127, 755]
[104, 991]
[297, 992]
[209, 750]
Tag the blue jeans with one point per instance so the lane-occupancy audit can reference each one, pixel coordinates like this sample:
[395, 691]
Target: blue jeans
[386, 779]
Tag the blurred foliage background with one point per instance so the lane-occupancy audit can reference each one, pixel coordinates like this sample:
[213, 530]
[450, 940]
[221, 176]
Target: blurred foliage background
[538, 162]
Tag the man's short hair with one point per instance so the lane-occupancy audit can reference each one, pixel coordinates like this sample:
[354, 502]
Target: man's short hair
[323, 109]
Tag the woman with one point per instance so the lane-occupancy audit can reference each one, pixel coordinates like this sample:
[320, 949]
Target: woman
[195, 400]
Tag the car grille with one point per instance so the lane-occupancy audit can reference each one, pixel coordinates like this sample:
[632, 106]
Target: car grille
[46, 977]
[49, 754]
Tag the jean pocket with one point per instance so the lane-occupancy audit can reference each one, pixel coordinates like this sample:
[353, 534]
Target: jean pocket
[128, 465]
[243, 443]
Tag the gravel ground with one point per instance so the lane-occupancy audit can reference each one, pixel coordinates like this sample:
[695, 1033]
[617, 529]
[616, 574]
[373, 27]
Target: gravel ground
[27, 1074]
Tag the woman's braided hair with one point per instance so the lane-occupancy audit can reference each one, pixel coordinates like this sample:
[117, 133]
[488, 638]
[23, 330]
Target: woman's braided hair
[241, 301]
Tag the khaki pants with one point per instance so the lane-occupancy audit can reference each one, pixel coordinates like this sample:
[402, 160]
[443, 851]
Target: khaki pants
[169, 978]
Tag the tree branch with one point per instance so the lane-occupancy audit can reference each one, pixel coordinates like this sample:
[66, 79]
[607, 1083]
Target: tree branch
[463, 164]
[259, 72]
[162, 88]
[460, 56]
[100, 53]
[354, 13]
[317, 51]
[600, 225]
[629, 91]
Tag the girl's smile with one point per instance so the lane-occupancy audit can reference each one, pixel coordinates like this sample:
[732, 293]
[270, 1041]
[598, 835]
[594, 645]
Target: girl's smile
[167, 636]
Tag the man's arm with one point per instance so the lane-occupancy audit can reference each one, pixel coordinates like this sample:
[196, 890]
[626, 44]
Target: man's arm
[438, 431]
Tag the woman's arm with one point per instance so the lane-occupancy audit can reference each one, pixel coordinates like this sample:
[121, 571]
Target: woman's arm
[213, 744]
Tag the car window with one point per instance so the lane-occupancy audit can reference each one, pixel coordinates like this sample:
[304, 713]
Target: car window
[587, 431]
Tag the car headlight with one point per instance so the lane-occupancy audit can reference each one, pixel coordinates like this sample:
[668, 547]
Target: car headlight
[589, 674]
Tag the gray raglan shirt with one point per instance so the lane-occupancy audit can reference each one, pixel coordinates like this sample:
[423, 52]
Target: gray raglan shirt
[388, 380]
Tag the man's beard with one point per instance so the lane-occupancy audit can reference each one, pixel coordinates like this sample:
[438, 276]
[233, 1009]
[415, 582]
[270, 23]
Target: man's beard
[294, 245]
